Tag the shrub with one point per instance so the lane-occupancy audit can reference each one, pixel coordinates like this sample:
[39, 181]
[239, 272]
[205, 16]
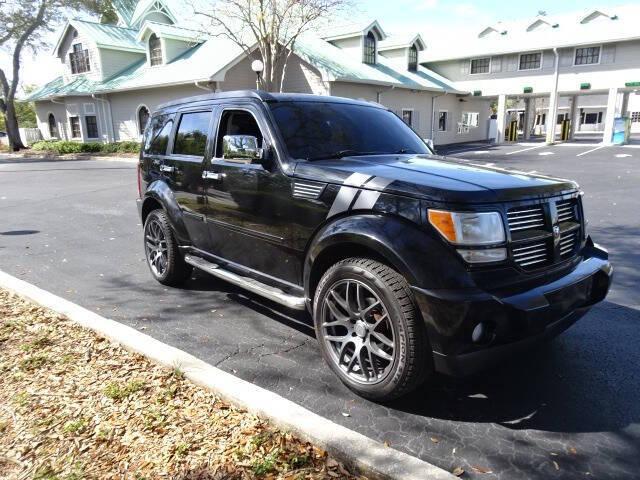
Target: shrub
[62, 147]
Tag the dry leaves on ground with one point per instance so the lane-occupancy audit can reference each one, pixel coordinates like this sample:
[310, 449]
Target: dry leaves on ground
[76, 406]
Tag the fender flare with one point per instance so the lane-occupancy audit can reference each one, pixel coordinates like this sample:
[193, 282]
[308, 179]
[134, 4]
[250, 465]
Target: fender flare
[160, 192]
[416, 254]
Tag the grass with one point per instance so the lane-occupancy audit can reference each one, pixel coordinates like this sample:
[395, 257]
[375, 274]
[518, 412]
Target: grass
[116, 391]
[34, 362]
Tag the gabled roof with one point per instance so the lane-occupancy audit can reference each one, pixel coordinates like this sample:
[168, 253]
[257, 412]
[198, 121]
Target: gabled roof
[124, 9]
[541, 21]
[571, 32]
[170, 31]
[336, 65]
[593, 14]
[352, 29]
[402, 41]
[145, 6]
[104, 36]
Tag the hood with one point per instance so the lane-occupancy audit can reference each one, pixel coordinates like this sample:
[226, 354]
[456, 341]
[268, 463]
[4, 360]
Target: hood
[437, 178]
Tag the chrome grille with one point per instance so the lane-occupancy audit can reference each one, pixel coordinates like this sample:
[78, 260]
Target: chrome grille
[526, 218]
[531, 255]
[307, 190]
[568, 244]
[566, 210]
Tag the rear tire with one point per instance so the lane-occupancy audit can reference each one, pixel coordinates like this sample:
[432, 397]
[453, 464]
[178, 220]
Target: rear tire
[164, 259]
[369, 330]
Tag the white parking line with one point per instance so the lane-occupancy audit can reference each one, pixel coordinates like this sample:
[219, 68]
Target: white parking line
[527, 149]
[545, 153]
[589, 151]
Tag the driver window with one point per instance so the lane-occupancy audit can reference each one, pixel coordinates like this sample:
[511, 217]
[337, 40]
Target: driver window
[237, 122]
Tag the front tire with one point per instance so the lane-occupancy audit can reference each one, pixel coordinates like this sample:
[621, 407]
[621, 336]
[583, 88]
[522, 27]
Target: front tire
[164, 259]
[369, 331]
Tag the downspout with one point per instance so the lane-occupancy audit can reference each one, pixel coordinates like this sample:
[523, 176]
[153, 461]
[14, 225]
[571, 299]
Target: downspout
[111, 135]
[553, 103]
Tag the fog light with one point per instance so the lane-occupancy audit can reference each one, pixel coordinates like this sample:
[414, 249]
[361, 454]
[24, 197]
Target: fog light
[483, 256]
[482, 333]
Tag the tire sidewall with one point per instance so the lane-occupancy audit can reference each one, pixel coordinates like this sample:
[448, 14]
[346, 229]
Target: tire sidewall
[160, 217]
[339, 272]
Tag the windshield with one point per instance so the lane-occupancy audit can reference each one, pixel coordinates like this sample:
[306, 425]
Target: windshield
[319, 130]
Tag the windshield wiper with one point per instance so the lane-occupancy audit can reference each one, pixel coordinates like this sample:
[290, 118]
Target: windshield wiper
[344, 153]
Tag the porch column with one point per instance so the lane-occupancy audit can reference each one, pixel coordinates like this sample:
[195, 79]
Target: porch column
[610, 115]
[501, 118]
[572, 116]
[529, 112]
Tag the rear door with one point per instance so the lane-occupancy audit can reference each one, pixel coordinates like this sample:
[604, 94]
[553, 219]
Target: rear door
[183, 167]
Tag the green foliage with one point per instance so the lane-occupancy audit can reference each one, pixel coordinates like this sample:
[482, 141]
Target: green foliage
[118, 392]
[62, 147]
[265, 465]
[26, 115]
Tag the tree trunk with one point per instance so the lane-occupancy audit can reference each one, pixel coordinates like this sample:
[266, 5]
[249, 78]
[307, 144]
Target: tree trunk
[13, 131]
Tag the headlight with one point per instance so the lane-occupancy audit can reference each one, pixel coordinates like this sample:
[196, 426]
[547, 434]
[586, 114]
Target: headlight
[468, 228]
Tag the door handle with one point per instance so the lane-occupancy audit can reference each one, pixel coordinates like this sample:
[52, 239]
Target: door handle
[208, 175]
[167, 168]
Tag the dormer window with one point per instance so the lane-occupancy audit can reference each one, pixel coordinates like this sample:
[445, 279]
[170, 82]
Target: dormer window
[79, 59]
[413, 59]
[369, 53]
[155, 50]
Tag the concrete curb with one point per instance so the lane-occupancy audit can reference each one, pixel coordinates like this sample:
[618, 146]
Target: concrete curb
[365, 455]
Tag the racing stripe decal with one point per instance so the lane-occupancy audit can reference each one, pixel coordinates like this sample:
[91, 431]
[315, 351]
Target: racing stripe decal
[348, 193]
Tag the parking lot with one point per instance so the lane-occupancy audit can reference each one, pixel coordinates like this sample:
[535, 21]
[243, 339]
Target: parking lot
[568, 410]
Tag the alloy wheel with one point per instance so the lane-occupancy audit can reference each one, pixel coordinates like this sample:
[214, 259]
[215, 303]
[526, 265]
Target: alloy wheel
[358, 331]
[156, 247]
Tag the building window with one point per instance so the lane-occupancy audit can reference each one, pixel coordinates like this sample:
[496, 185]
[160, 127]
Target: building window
[635, 117]
[369, 55]
[143, 119]
[530, 61]
[407, 116]
[470, 119]
[75, 127]
[442, 121]
[480, 65]
[592, 118]
[587, 56]
[53, 128]
[413, 59]
[92, 126]
[79, 59]
[155, 50]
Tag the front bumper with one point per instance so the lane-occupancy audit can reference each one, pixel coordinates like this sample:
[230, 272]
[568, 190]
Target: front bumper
[515, 322]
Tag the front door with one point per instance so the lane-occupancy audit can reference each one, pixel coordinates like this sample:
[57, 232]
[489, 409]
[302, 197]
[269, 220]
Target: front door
[249, 202]
[183, 169]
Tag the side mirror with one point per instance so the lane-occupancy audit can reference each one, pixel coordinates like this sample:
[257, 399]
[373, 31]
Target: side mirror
[241, 147]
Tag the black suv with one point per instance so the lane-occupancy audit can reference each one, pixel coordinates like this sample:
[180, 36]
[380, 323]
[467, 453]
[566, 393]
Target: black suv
[409, 262]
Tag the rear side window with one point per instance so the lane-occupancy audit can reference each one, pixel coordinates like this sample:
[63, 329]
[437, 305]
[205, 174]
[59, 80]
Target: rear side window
[157, 135]
[191, 137]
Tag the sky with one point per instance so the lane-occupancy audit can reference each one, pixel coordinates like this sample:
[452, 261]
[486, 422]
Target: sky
[436, 20]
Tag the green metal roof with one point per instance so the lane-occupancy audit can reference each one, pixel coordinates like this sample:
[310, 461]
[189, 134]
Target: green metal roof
[108, 36]
[125, 9]
[171, 31]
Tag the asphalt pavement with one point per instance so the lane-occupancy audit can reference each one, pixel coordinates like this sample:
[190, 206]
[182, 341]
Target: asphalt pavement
[568, 410]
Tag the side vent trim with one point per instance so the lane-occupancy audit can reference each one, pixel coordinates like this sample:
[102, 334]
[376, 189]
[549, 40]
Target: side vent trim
[307, 190]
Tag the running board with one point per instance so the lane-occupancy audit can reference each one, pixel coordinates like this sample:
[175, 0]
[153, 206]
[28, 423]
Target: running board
[259, 288]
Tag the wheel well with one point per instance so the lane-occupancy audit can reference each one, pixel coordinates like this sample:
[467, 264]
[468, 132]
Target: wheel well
[334, 254]
[149, 205]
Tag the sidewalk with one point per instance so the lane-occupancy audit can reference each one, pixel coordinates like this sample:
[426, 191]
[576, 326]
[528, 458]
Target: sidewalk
[33, 155]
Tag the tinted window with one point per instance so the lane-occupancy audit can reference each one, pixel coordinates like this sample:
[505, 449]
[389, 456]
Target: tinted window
[191, 138]
[314, 130]
[92, 126]
[157, 135]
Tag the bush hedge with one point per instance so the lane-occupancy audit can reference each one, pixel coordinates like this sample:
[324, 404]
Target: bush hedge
[62, 147]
